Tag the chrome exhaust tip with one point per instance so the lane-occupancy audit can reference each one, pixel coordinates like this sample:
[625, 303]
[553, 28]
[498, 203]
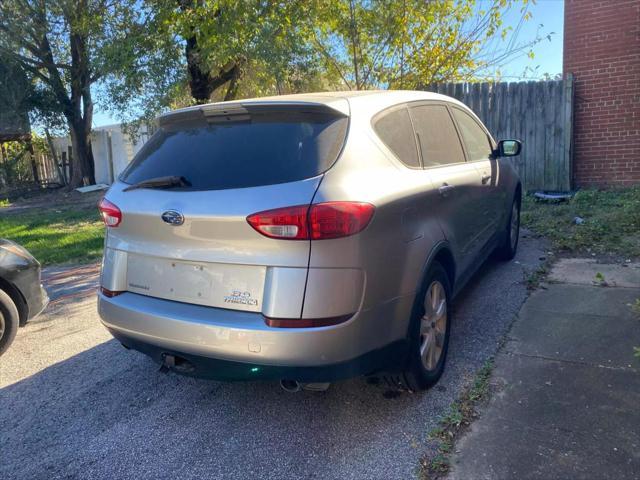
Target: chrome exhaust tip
[290, 386]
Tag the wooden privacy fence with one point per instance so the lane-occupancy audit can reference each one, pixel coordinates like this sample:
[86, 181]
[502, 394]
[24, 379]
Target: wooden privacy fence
[538, 113]
[29, 169]
[48, 172]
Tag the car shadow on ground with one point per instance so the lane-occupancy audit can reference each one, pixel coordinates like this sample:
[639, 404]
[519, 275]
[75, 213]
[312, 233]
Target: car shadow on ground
[102, 404]
[108, 413]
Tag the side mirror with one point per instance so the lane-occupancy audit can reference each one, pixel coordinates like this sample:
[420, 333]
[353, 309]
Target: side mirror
[508, 148]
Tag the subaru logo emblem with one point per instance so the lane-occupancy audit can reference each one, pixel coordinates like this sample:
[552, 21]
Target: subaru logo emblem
[172, 217]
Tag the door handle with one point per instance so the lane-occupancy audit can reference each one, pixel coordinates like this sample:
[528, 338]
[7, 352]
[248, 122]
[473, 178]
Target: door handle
[485, 178]
[445, 189]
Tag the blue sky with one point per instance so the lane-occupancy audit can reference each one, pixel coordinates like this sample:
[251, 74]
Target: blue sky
[548, 54]
[547, 17]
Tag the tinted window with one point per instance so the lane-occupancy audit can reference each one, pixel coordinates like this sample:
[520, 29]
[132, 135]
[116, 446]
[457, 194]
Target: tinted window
[395, 130]
[268, 148]
[437, 135]
[474, 137]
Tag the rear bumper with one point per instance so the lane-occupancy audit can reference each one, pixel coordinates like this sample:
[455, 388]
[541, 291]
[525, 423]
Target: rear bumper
[227, 344]
[228, 370]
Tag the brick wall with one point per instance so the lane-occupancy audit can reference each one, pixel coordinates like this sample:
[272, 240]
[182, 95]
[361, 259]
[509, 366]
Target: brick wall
[602, 50]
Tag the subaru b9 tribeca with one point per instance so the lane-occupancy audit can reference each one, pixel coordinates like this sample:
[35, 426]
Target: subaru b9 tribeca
[305, 237]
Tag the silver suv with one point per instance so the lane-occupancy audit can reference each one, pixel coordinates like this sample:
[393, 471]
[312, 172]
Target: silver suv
[305, 238]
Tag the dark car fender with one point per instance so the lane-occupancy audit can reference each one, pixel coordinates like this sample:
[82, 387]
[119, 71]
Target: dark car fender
[20, 279]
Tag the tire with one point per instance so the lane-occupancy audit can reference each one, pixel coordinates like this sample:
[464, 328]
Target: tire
[511, 234]
[9, 320]
[422, 371]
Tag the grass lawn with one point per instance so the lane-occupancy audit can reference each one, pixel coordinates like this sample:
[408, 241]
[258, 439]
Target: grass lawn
[73, 235]
[611, 222]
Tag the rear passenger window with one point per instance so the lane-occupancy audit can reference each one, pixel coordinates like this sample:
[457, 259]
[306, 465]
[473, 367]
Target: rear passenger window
[473, 136]
[437, 135]
[395, 130]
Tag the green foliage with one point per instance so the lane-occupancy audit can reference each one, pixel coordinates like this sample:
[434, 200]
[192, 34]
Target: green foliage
[265, 38]
[599, 279]
[141, 57]
[15, 168]
[147, 69]
[314, 45]
[70, 48]
[15, 161]
[534, 278]
[611, 222]
[412, 43]
[118, 50]
[71, 235]
[440, 464]
[15, 97]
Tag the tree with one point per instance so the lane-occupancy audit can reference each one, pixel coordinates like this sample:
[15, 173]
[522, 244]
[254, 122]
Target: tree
[226, 39]
[413, 43]
[68, 46]
[215, 50]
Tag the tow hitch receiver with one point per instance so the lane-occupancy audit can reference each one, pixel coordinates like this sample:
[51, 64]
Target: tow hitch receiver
[168, 362]
[176, 363]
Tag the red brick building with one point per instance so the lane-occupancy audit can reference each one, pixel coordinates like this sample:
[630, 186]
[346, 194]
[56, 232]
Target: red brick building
[602, 50]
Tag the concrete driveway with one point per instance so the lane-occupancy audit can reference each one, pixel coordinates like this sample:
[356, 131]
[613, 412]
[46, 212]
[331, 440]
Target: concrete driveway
[75, 404]
[566, 384]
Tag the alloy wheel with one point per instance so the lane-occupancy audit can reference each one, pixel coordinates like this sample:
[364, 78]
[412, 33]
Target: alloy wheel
[433, 325]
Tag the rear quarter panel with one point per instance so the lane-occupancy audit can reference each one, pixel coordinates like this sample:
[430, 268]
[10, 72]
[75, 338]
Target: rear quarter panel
[392, 251]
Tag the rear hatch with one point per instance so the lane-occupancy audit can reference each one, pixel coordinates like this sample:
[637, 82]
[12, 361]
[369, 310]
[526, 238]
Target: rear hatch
[189, 240]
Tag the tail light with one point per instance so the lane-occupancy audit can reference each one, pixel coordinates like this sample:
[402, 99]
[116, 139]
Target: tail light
[111, 214]
[320, 221]
[290, 223]
[110, 293]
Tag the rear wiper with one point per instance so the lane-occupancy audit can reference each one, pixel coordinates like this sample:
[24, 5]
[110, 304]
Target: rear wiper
[160, 182]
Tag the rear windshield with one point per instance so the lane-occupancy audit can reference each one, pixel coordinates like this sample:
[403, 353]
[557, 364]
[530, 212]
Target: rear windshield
[261, 149]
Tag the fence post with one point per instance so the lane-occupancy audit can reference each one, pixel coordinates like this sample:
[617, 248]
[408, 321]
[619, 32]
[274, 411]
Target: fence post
[110, 157]
[34, 167]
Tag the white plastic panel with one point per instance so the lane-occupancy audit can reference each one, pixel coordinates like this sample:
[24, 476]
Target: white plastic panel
[236, 287]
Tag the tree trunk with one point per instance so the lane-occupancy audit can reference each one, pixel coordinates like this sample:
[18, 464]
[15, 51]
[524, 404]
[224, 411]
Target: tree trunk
[203, 82]
[80, 114]
[83, 168]
[234, 81]
[199, 78]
